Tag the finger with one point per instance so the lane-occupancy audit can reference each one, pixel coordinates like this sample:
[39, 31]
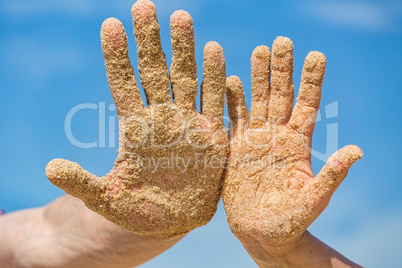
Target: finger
[119, 70]
[151, 59]
[214, 83]
[74, 180]
[183, 71]
[236, 104]
[305, 111]
[335, 170]
[281, 98]
[260, 74]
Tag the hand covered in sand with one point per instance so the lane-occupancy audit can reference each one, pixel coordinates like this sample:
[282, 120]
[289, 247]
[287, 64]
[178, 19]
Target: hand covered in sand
[270, 192]
[166, 179]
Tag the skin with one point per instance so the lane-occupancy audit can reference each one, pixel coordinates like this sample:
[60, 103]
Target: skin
[270, 162]
[142, 208]
[146, 209]
[65, 233]
[166, 178]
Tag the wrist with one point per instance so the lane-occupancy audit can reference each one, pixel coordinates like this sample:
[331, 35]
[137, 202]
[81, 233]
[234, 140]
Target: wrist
[302, 251]
[275, 254]
[67, 234]
[97, 242]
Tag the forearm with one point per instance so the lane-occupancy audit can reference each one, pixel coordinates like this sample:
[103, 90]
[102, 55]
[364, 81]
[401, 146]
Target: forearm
[67, 234]
[308, 251]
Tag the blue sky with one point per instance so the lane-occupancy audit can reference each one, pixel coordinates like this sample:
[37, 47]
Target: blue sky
[51, 61]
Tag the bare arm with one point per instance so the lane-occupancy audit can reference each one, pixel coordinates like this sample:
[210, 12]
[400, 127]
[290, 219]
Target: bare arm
[67, 234]
[307, 252]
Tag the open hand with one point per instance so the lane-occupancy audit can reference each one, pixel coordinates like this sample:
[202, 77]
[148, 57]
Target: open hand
[270, 192]
[166, 179]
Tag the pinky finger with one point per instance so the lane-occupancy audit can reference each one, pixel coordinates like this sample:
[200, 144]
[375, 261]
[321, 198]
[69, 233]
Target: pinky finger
[214, 83]
[236, 103]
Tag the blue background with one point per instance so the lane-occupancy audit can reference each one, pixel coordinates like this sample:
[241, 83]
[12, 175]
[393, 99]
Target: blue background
[51, 61]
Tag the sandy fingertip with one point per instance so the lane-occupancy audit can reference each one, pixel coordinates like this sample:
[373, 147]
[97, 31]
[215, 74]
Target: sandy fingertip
[282, 46]
[181, 18]
[143, 9]
[315, 60]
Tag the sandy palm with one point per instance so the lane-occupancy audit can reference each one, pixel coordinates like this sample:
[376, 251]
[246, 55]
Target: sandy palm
[163, 181]
[270, 191]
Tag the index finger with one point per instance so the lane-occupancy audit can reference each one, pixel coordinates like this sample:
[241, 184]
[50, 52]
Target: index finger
[308, 101]
[120, 73]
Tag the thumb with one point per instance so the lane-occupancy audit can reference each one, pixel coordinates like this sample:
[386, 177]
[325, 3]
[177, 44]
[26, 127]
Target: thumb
[74, 180]
[335, 170]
